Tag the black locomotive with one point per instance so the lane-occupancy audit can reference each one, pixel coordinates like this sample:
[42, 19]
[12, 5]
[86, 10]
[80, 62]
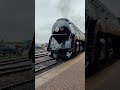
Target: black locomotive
[66, 40]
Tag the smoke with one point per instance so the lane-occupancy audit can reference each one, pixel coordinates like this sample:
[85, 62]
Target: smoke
[64, 6]
[68, 9]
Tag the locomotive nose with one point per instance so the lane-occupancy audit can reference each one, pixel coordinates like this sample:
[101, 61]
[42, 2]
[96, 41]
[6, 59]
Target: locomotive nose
[61, 33]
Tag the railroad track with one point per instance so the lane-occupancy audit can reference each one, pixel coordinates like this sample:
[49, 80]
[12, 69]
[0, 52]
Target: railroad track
[17, 84]
[44, 64]
[13, 61]
[41, 55]
[15, 65]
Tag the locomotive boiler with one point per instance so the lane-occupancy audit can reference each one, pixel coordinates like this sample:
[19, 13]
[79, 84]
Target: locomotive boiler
[66, 40]
[102, 35]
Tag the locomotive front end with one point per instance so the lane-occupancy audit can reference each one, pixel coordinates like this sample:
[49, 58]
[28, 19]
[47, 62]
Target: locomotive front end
[60, 43]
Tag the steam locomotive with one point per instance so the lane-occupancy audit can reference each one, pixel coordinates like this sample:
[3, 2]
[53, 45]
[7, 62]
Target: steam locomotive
[66, 40]
[102, 35]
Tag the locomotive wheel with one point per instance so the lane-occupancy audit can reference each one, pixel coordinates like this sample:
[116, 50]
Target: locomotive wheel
[57, 60]
[104, 51]
[100, 55]
[65, 59]
[73, 55]
[109, 50]
[109, 55]
[90, 69]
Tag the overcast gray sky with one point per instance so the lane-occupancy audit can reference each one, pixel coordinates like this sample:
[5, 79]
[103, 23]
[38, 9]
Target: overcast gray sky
[48, 11]
[16, 20]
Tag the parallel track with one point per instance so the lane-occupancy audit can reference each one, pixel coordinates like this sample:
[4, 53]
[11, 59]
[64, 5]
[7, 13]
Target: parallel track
[17, 84]
[45, 64]
[16, 65]
[42, 66]
[41, 55]
[13, 61]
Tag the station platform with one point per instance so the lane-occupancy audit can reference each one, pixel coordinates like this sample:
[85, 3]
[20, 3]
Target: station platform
[106, 79]
[67, 76]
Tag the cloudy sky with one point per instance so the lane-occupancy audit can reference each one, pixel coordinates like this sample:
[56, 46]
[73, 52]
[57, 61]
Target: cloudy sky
[47, 12]
[16, 20]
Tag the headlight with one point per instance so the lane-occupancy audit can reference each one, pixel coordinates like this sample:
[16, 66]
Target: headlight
[56, 29]
[61, 29]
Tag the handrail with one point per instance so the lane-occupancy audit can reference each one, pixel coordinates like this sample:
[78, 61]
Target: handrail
[59, 34]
